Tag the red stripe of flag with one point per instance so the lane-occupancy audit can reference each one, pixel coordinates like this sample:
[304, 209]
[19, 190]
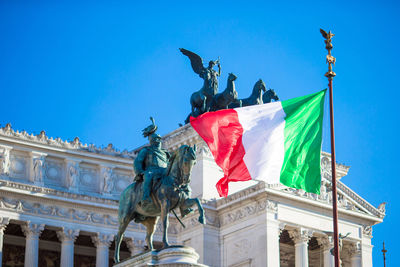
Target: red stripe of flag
[222, 132]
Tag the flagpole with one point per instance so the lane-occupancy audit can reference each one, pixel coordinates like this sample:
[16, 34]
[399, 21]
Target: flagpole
[330, 60]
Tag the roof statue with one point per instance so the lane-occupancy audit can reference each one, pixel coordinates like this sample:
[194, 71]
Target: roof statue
[207, 98]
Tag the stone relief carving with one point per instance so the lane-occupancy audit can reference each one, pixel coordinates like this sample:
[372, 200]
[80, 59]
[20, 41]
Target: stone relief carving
[38, 166]
[241, 249]
[72, 174]
[5, 162]
[107, 182]
[367, 230]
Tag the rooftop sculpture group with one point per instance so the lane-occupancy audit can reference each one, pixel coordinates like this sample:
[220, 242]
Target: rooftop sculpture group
[207, 98]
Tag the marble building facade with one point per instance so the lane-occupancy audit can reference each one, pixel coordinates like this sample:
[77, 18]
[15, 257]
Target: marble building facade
[59, 206]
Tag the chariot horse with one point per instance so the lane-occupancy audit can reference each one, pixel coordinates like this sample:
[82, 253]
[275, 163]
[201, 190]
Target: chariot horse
[169, 192]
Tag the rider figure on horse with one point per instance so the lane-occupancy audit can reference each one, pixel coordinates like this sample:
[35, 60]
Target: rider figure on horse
[151, 162]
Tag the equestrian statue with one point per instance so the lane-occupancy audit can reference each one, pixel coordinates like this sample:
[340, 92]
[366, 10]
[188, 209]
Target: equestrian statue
[161, 185]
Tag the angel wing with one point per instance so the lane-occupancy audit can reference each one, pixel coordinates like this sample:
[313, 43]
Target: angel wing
[195, 60]
[324, 33]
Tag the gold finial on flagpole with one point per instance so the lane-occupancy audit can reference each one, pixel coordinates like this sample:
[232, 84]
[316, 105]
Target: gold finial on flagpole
[329, 58]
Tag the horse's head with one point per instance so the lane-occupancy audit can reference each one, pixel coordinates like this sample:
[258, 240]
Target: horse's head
[186, 157]
[259, 86]
[271, 93]
[231, 77]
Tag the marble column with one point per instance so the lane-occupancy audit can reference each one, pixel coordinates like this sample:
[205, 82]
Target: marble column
[32, 232]
[355, 255]
[3, 224]
[67, 238]
[102, 243]
[301, 237]
[326, 243]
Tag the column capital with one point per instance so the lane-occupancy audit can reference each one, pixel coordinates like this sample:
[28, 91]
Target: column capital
[134, 245]
[281, 228]
[4, 221]
[325, 241]
[300, 235]
[67, 234]
[103, 240]
[354, 249]
[32, 230]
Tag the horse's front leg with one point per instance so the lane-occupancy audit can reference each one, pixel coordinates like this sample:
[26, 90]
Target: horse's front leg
[165, 206]
[189, 203]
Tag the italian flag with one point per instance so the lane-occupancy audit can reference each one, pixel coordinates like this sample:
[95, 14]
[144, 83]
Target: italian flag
[279, 142]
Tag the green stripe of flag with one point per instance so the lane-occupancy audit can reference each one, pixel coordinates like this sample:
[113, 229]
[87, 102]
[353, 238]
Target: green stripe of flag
[303, 138]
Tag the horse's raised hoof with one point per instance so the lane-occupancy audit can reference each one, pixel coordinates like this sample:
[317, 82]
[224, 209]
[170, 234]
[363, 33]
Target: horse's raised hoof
[202, 220]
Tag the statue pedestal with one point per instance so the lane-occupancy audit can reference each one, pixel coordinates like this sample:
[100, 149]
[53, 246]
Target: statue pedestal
[176, 256]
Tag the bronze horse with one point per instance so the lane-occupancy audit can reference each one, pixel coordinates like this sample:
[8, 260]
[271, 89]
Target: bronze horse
[254, 99]
[170, 192]
[229, 95]
[269, 95]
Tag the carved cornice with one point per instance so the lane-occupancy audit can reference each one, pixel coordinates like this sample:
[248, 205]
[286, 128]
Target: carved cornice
[42, 138]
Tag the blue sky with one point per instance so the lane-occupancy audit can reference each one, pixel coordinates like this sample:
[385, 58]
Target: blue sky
[98, 70]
